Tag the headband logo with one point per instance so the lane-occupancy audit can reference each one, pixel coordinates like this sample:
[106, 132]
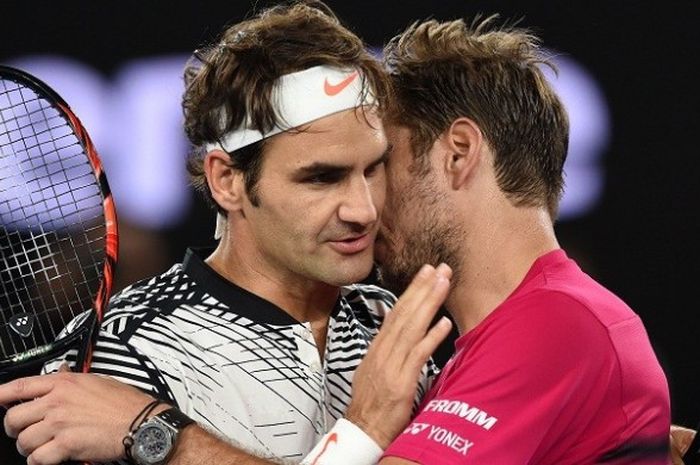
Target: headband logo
[335, 89]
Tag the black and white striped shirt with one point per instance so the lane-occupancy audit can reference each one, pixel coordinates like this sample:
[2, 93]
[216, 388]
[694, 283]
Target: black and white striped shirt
[236, 363]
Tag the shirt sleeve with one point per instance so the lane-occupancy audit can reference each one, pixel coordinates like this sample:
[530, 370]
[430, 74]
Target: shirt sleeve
[114, 356]
[514, 391]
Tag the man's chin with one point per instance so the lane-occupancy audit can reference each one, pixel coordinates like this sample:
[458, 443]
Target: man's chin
[356, 273]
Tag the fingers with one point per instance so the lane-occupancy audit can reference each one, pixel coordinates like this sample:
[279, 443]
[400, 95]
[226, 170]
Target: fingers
[419, 356]
[21, 416]
[80, 416]
[407, 324]
[33, 437]
[50, 453]
[410, 302]
[445, 270]
[418, 321]
[428, 291]
[384, 385]
[681, 438]
[37, 437]
[25, 389]
[424, 314]
[420, 285]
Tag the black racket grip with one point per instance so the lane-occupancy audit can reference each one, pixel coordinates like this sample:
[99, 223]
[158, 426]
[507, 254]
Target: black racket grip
[692, 455]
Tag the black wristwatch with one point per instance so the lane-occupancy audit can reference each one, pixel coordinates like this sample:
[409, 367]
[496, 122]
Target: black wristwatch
[154, 440]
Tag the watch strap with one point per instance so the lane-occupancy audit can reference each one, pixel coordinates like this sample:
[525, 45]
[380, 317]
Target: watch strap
[175, 418]
[128, 440]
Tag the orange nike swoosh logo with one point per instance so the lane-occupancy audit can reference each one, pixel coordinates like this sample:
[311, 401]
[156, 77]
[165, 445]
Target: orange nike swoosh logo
[335, 89]
[332, 438]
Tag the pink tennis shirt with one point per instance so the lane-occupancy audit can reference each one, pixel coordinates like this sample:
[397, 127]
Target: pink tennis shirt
[561, 373]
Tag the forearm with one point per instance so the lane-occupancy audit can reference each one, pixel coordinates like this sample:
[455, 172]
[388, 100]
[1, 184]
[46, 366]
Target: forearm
[196, 446]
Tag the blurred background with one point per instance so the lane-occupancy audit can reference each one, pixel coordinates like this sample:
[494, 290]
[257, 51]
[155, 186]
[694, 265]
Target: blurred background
[629, 215]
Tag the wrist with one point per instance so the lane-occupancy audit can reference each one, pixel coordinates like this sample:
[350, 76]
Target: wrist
[154, 439]
[370, 426]
[345, 444]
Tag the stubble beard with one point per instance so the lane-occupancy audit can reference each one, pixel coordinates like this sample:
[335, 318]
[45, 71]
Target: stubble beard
[435, 239]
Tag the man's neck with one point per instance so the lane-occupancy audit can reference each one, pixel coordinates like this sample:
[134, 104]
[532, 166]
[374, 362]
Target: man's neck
[303, 299]
[495, 262]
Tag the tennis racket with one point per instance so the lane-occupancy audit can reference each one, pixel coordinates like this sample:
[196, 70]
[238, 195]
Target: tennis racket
[58, 229]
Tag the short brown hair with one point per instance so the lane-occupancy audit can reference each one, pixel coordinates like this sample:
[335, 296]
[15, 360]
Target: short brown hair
[443, 71]
[234, 77]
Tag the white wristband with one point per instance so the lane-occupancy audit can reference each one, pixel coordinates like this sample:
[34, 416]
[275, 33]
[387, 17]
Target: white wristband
[345, 444]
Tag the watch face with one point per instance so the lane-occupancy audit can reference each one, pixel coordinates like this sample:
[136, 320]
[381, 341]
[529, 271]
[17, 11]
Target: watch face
[152, 443]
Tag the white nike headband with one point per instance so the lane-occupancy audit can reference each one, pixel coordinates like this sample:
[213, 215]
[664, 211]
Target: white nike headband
[301, 98]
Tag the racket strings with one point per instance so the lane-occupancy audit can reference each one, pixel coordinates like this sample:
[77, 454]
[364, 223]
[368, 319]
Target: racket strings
[52, 224]
[31, 276]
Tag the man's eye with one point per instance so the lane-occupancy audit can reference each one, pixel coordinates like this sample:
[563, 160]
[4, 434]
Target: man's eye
[323, 178]
[376, 168]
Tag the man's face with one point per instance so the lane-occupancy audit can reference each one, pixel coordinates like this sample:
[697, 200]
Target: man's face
[417, 227]
[321, 192]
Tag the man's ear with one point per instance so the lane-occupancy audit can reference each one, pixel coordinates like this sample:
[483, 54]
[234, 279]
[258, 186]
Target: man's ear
[464, 142]
[226, 183]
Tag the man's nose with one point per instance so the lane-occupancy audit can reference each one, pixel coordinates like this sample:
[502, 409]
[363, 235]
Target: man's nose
[358, 205]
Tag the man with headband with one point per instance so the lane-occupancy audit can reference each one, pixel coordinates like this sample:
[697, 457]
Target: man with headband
[257, 340]
[321, 162]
